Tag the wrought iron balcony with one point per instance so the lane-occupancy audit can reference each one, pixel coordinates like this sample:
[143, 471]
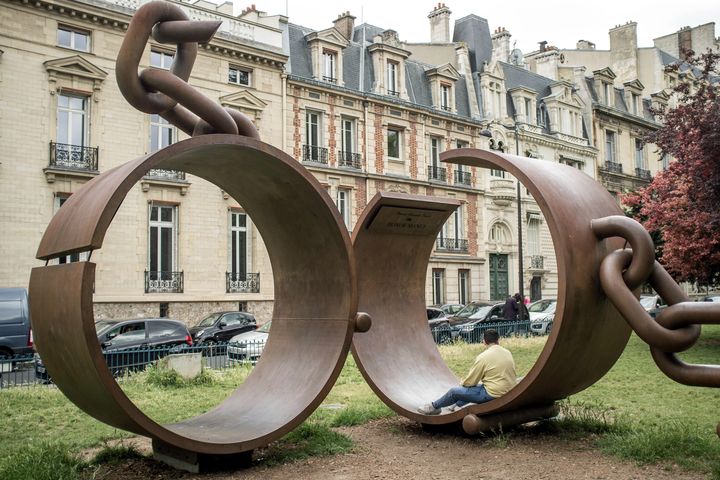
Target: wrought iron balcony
[613, 167]
[394, 93]
[537, 262]
[463, 178]
[163, 282]
[313, 153]
[642, 173]
[329, 79]
[242, 283]
[446, 108]
[452, 244]
[349, 159]
[74, 157]
[437, 173]
[169, 175]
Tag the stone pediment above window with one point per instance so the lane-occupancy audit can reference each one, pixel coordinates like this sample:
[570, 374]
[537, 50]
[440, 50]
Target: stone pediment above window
[74, 72]
[636, 86]
[605, 73]
[446, 71]
[330, 35]
[245, 102]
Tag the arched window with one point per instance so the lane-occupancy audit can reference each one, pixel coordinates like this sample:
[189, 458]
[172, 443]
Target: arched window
[499, 233]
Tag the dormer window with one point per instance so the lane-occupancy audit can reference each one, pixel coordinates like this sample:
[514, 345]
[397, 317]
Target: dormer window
[392, 78]
[445, 97]
[329, 59]
[635, 101]
[607, 94]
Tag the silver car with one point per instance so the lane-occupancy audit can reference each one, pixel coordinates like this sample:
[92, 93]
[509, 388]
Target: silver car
[248, 346]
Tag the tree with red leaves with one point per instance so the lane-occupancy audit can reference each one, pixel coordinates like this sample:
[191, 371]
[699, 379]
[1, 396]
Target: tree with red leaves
[681, 207]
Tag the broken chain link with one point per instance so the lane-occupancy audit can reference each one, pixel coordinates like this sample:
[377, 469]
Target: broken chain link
[677, 327]
[166, 92]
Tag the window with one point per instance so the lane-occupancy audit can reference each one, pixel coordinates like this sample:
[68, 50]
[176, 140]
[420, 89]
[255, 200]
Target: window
[238, 76]
[347, 142]
[495, 100]
[162, 133]
[393, 143]
[239, 246]
[541, 114]
[329, 62]
[342, 201]
[533, 236]
[72, 120]
[497, 173]
[162, 241]
[60, 199]
[69, 37]
[435, 147]
[160, 59]
[665, 161]
[635, 108]
[609, 146]
[461, 169]
[438, 286]
[499, 233]
[528, 110]
[607, 93]
[392, 78]
[458, 223]
[312, 128]
[445, 97]
[639, 154]
[463, 286]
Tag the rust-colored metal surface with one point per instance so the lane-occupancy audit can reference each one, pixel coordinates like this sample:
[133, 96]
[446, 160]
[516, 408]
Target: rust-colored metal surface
[315, 295]
[397, 356]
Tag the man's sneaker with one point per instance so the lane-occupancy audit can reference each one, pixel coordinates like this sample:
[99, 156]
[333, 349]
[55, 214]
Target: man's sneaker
[428, 409]
[453, 407]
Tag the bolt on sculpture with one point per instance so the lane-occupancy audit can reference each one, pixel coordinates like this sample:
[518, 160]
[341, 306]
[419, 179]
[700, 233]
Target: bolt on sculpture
[381, 272]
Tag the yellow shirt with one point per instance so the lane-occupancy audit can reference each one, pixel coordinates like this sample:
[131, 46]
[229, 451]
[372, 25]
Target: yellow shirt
[494, 368]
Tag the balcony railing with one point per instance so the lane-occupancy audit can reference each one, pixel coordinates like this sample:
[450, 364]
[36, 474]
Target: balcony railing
[613, 167]
[349, 159]
[162, 174]
[329, 79]
[242, 283]
[394, 93]
[537, 262]
[163, 282]
[445, 108]
[452, 244]
[437, 173]
[642, 173]
[463, 178]
[74, 157]
[313, 153]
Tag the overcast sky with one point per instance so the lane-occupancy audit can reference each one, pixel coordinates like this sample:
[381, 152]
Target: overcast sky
[560, 22]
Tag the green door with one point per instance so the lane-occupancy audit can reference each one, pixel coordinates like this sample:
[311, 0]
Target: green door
[498, 276]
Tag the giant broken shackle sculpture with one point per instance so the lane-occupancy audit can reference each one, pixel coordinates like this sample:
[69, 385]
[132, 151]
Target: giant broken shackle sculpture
[322, 279]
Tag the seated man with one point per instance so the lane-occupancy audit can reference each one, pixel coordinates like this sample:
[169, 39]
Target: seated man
[492, 376]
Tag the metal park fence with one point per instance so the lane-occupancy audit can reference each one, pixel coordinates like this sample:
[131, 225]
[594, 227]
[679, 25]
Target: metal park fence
[23, 370]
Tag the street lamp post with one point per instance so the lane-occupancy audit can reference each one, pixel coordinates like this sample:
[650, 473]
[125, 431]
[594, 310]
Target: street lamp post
[488, 133]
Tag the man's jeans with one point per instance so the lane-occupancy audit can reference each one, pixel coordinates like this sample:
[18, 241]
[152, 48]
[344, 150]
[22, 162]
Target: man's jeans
[461, 396]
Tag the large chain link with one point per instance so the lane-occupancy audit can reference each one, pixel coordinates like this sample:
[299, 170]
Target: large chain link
[677, 327]
[166, 92]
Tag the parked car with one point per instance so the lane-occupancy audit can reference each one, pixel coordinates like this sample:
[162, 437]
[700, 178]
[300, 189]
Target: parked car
[542, 325]
[439, 326]
[542, 308]
[653, 304]
[15, 333]
[712, 298]
[471, 322]
[220, 327]
[248, 346]
[129, 345]
[451, 308]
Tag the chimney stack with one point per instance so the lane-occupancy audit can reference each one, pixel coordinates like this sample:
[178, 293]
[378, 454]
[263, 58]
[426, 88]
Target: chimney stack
[440, 24]
[585, 45]
[345, 24]
[501, 45]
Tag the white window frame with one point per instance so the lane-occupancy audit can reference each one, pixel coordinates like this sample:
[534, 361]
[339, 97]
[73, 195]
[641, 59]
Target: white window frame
[398, 132]
[610, 146]
[533, 236]
[640, 155]
[438, 286]
[160, 225]
[165, 59]
[74, 34]
[435, 149]
[237, 71]
[392, 78]
[463, 286]
[71, 113]
[234, 234]
[458, 223]
[329, 61]
[347, 139]
[317, 124]
[343, 203]
[158, 127]
[445, 96]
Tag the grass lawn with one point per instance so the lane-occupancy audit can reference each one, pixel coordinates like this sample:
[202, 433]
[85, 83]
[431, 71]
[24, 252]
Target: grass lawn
[653, 419]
